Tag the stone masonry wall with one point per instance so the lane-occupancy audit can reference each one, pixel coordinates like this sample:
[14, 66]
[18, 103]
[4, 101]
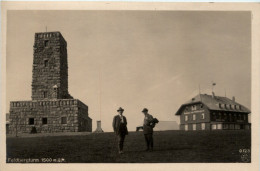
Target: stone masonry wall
[85, 122]
[54, 110]
[50, 67]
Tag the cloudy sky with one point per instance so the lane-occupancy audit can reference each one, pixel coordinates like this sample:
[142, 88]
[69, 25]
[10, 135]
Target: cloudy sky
[152, 59]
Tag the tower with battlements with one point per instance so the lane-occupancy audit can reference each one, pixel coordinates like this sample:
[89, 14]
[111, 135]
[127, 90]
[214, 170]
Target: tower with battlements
[52, 108]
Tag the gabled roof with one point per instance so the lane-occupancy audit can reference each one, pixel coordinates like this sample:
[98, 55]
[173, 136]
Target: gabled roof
[215, 103]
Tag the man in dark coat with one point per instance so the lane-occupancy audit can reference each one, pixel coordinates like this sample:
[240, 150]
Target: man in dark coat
[148, 129]
[120, 129]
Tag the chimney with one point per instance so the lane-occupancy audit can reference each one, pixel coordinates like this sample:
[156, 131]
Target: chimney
[233, 99]
[99, 129]
[213, 95]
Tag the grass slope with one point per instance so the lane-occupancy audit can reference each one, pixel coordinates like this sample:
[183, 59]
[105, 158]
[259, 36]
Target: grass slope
[169, 146]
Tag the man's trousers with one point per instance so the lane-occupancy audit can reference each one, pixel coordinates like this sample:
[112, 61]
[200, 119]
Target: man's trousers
[149, 140]
[121, 139]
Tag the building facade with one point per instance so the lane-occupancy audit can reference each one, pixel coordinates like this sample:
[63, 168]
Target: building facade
[210, 112]
[52, 108]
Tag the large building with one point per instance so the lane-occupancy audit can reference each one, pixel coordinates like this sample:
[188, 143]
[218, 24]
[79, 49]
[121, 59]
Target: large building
[52, 108]
[210, 112]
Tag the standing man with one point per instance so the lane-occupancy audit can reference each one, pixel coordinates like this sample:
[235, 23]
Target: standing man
[120, 129]
[148, 129]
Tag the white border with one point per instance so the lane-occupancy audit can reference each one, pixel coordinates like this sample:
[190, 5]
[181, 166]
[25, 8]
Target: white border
[253, 7]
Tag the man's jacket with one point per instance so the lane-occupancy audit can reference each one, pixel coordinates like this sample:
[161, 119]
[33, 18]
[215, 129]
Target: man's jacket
[148, 125]
[119, 126]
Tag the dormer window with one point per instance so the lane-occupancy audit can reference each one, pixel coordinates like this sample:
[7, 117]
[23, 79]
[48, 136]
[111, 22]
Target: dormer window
[193, 107]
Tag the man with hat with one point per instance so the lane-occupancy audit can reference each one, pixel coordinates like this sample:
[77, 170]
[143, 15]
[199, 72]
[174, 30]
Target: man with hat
[120, 129]
[148, 129]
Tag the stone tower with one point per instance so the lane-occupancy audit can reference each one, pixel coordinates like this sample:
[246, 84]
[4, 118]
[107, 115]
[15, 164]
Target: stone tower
[50, 67]
[51, 109]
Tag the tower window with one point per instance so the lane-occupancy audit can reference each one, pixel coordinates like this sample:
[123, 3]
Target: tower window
[46, 43]
[44, 121]
[46, 62]
[45, 94]
[63, 120]
[31, 121]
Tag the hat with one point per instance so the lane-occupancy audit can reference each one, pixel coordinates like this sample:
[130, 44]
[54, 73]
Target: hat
[145, 110]
[120, 109]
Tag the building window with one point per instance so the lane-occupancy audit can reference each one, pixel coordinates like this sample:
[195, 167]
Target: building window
[244, 117]
[235, 117]
[237, 126]
[63, 120]
[203, 126]
[31, 121]
[45, 94]
[225, 116]
[225, 126]
[46, 62]
[219, 126]
[231, 126]
[46, 43]
[194, 117]
[44, 121]
[186, 117]
[219, 116]
[186, 127]
[230, 117]
[194, 127]
[202, 116]
[193, 107]
[213, 126]
[213, 116]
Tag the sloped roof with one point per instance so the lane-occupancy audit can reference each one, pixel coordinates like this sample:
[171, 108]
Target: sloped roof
[215, 103]
[166, 125]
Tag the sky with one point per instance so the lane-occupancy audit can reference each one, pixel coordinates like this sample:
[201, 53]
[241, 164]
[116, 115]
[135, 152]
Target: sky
[137, 59]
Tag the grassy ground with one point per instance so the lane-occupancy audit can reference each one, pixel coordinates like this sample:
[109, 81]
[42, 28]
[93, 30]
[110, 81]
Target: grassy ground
[169, 146]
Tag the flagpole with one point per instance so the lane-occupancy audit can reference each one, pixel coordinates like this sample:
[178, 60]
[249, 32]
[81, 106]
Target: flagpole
[100, 93]
[212, 86]
[200, 93]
